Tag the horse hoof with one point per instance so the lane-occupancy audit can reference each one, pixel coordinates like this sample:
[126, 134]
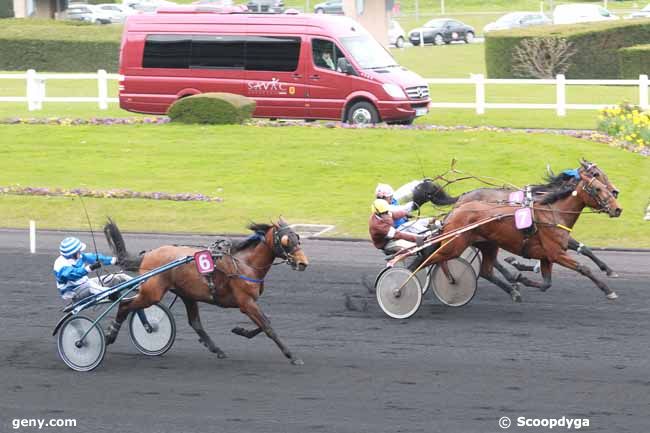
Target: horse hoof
[297, 361]
[238, 331]
[221, 355]
[516, 296]
[612, 274]
[612, 296]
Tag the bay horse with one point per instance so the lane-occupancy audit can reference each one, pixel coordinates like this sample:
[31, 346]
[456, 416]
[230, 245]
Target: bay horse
[238, 280]
[555, 214]
[429, 191]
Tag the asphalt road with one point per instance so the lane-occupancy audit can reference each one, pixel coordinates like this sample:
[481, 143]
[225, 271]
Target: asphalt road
[567, 352]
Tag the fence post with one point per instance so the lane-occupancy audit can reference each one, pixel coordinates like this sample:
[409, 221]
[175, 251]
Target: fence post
[560, 93]
[102, 87]
[643, 92]
[479, 80]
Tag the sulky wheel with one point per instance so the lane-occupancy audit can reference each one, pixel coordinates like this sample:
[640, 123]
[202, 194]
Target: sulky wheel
[399, 293]
[81, 354]
[474, 257]
[152, 330]
[454, 284]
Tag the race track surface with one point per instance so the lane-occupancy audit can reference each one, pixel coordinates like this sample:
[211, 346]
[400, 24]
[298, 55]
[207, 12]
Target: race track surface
[567, 352]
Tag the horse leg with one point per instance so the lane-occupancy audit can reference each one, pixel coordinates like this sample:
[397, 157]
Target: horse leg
[487, 271]
[148, 295]
[252, 310]
[586, 251]
[568, 262]
[512, 278]
[512, 261]
[193, 317]
[546, 268]
[248, 333]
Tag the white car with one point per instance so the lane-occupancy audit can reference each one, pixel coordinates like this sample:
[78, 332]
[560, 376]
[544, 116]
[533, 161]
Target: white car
[515, 20]
[117, 12]
[87, 13]
[581, 13]
[148, 5]
[643, 13]
[396, 35]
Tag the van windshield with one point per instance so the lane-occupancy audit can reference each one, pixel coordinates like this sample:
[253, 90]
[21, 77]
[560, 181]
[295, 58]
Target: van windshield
[367, 52]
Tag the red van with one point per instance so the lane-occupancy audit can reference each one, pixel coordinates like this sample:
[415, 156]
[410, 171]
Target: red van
[300, 66]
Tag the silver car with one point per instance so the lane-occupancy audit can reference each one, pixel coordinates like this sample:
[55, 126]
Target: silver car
[515, 20]
[87, 13]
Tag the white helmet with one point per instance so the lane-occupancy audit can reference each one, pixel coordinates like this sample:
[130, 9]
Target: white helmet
[383, 190]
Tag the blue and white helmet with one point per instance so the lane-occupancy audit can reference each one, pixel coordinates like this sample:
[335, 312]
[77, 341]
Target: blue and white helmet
[71, 246]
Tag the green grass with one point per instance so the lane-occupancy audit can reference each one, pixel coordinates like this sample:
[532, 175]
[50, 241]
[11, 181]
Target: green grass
[310, 175]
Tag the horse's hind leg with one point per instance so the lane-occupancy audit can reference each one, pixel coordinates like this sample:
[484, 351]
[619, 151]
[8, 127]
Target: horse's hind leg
[195, 322]
[568, 262]
[586, 251]
[489, 259]
[512, 261]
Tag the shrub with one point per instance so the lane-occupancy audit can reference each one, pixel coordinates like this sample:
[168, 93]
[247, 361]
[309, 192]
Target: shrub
[627, 123]
[634, 61]
[212, 108]
[58, 46]
[596, 46]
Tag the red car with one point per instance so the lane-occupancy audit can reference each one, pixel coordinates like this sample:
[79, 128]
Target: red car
[299, 66]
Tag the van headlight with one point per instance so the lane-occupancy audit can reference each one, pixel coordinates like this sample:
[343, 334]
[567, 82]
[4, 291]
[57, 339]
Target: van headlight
[394, 90]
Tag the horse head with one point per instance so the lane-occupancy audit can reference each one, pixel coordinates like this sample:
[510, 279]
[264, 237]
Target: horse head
[285, 243]
[429, 191]
[597, 191]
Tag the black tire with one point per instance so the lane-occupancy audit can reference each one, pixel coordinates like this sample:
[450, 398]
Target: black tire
[320, 11]
[399, 43]
[438, 39]
[362, 113]
[167, 326]
[469, 37]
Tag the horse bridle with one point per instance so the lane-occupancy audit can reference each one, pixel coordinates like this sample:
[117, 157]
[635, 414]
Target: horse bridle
[603, 204]
[280, 250]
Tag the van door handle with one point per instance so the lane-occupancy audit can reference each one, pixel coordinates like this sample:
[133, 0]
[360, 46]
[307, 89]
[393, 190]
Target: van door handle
[297, 76]
[314, 77]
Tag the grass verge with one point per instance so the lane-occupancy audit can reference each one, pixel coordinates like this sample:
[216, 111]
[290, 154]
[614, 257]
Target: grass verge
[309, 175]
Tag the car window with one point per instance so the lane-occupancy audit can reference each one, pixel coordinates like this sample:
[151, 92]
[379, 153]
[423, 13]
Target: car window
[325, 54]
[435, 23]
[604, 12]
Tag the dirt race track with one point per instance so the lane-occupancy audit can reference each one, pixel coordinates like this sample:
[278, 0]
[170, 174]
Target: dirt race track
[567, 352]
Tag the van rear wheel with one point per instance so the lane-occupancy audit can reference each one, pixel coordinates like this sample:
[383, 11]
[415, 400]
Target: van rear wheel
[362, 113]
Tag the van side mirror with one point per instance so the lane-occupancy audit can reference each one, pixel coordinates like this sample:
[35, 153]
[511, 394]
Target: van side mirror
[342, 65]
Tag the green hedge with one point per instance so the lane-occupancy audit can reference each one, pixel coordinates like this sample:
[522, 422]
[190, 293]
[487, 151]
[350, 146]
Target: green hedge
[6, 8]
[634, 61]
[58, 46]
[597, 46]
[212, 108]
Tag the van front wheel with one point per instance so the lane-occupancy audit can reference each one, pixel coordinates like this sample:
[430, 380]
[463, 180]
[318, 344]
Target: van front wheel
[362, 113]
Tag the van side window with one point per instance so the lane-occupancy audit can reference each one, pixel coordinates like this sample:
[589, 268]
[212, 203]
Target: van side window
[217, 52]
[325, 54]
[167, 51]
[272, 53]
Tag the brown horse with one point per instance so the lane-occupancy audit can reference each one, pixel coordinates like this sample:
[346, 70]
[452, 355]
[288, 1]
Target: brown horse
[238, 280]
[429, 191]
[555, 216]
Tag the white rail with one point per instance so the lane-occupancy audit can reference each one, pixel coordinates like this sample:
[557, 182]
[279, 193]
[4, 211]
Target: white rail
[35, 88]
[560, 82]
[35, 85]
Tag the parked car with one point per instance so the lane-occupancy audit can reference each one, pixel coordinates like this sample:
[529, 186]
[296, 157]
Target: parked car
[215, 3]
[581, 13]
[396, 34]
[272, 6]
[329, 7]
[515, 20]
[149, 5]
[88, 13]
[335, 71]
[442, 31]
[643, 13]
[117, 12]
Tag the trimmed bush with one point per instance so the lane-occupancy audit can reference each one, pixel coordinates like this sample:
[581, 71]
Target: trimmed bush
[212, 108]
[58, 46]
[634, 61]
[6, 8]
[596, 46]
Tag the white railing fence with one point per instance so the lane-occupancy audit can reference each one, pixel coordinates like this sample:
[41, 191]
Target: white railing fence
[560, 82]
[35, 84]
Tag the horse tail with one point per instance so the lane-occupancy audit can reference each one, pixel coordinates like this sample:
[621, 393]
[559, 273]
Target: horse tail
[118, 247]
[440, 197]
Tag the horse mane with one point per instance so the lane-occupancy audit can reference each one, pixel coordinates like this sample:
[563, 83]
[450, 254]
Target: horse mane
[254, 239]
[556, 187]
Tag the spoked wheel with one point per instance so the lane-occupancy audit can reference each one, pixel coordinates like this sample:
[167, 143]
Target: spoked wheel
[454, 284]
[474, 257]
[398, 293]
[423, 275]
[152, 330]
[78, 354]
